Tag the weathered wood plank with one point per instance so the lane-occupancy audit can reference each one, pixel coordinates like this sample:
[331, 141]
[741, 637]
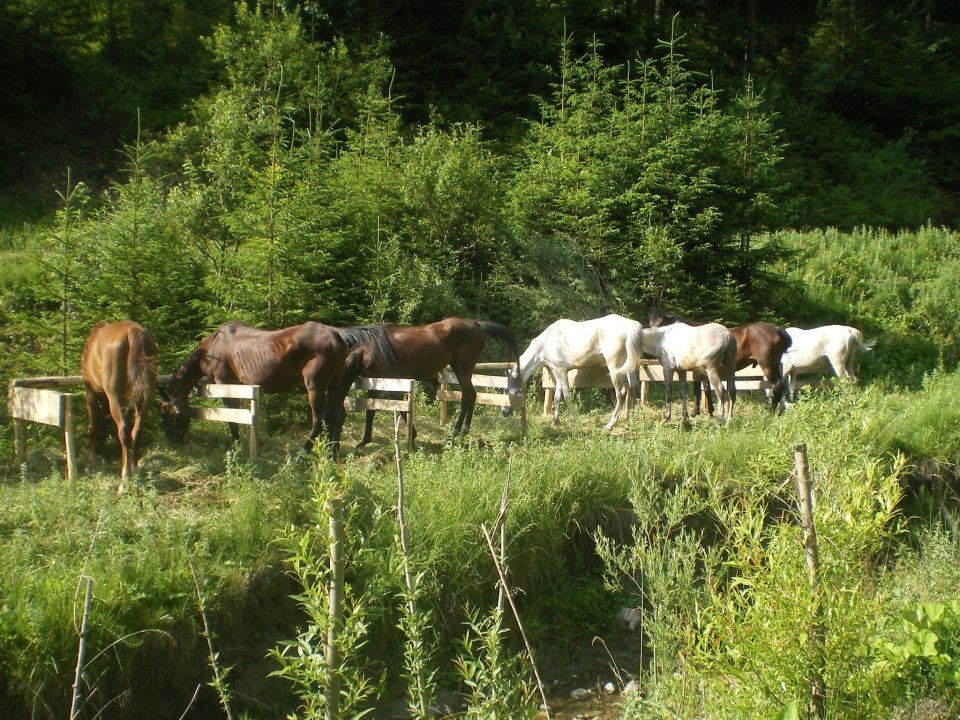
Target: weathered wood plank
[36, 405]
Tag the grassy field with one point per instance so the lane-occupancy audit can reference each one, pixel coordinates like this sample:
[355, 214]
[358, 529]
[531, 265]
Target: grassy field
[697, 529]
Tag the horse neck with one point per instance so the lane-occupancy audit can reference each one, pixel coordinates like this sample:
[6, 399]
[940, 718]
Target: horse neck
[188, 374]
[529, 362]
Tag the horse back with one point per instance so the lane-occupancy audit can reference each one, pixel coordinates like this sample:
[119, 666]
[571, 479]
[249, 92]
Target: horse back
[120, 359]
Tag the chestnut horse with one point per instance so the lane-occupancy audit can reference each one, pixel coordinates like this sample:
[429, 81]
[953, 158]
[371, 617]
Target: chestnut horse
[119, 370]
[421, 352]
[758, 343]
[277, 360]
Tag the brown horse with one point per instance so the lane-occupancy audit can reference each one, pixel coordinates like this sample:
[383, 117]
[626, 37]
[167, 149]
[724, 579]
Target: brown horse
[277, 360]
[119, 369]
[421, 352]
[758, 343]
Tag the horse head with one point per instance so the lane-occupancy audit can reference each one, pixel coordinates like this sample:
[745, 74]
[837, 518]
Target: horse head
[514, 384]
[175, 412]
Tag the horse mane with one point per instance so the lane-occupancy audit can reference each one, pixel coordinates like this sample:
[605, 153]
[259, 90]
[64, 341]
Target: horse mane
[373, 337]
[504, 335]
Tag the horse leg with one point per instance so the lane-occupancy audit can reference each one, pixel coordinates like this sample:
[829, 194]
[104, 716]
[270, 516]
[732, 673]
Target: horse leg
[95, 412]
[468, 400]
[367, 428]
[563, 394]
[122, 420]
[668, 393]
[771, 371]
[722, 390]
[336, 414]
[620, 384]
[316, 396]
[697, 392]
[682, 381]
[139, 413]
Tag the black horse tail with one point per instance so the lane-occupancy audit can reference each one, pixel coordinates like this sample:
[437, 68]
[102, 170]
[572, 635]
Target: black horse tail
[785, 336]
[504, 335]
[373, 337]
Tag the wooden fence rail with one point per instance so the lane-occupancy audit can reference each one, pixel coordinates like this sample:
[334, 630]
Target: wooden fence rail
[47, 407]
[399, 392]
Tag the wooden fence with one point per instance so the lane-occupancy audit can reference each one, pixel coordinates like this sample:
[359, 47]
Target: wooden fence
[492, 376]
[400, 393]
[244, 408]
[42, 400]
[33, 403]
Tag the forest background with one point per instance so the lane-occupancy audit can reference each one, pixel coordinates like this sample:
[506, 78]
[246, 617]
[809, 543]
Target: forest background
[183, 164]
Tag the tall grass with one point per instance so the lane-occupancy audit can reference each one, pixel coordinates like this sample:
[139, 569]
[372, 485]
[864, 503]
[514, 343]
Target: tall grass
[681, 515]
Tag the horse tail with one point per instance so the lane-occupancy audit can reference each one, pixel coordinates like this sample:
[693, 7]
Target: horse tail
[862, 344]
[370, 336]
[785, 337]
[504, 335]
[633, 344]
[141, 366]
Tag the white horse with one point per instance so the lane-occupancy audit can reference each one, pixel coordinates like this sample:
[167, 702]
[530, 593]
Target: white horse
[822, 350]
[565, 345]
[707, 350]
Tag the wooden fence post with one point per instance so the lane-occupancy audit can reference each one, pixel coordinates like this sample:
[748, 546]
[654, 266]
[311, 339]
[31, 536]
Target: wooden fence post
[69, 443]
[254, 423]
[811, 551]
[337, 540]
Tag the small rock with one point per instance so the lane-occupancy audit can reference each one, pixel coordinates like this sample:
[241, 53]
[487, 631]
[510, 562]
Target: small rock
[632, 686]
[609, 688]
[579, 694]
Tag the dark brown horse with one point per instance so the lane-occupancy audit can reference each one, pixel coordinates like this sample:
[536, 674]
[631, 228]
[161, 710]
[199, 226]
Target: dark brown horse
[758, 343]
[421, 352]
[119, 369]
[310, 354]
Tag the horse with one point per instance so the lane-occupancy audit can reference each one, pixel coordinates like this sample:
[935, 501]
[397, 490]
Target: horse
[421, 352]
[822, 349]
[119, 370]
[709, 349]
[565, 345]
[758, 343]
[277, 360]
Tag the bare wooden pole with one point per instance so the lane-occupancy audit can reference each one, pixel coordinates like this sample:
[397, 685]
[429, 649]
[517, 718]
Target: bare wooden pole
[218, 679]
[335, 606]
[501, 527]
[516, 616]
[81, 652]
[811, 551]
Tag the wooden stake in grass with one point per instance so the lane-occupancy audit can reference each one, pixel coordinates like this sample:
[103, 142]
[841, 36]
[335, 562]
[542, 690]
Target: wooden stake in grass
[337, 541]
[516, 616]
[81, 652]
[421, 692]
[811, 550]
[219, 679]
